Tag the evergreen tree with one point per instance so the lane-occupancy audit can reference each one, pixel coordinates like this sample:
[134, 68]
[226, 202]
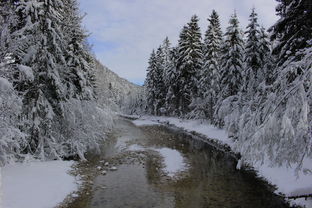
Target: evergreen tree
[171, 78]
[42, 49]
[79, 61]
[293, 30]
[267, 72]
[283, 130]
[228, 107]
[8, 20]
[252, 55]
[160, 88]
[210, 77]
[167, 65]
[12, 140]
[189, 63]
[150, 83]
[47, 69]
[232, 59]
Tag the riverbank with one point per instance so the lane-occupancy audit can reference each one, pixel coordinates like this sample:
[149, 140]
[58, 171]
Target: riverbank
[36, 184]
[286, 180]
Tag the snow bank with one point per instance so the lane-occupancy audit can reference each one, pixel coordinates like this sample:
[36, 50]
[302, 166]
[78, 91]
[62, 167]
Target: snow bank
[288, 182]
[173, 160]
[284, 178]
[199, 126]
[36, 184]
[141, 122]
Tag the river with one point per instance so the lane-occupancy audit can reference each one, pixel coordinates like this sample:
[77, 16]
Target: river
[161, 167]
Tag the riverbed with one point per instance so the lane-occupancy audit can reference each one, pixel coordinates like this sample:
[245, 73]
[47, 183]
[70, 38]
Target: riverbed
[159, 166]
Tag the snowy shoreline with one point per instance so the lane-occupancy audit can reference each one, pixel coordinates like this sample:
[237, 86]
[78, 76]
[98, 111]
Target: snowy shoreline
[36, 184]
[282, 177]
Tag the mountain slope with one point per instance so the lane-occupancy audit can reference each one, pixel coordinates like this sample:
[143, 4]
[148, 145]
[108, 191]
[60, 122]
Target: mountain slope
[111, 89]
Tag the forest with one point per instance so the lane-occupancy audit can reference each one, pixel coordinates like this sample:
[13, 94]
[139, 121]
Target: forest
[48, 102]
[255, 83]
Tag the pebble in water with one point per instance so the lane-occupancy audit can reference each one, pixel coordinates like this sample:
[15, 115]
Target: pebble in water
[113, 168]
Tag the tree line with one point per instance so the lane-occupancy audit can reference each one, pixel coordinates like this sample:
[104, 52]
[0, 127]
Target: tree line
[255, 85]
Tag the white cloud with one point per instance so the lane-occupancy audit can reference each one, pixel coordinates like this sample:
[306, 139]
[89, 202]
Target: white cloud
[135, 27]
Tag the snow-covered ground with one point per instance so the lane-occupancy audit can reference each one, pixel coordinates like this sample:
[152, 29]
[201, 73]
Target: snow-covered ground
[140, 122]
[173, 161]
[36, 184]
[284, 178]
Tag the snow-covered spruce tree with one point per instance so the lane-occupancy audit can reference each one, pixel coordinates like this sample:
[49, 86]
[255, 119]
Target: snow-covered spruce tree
[228, 109]
[292, 30]
[209, 82]
[160, 88]
[252, 92]
[167, 63]
[39, 48]
[284, 134]
[55, 55]
[79, 129]
[181, 80]
[189, 66]
[232, 59]
[267, 72]
[171, 77]
[79, 61]
[12, 140]
[150, 84]
[252, 56]
[12, 76]
[50, 70]
[8, 19]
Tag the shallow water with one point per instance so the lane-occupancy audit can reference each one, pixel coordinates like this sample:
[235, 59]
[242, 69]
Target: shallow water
[209, 178]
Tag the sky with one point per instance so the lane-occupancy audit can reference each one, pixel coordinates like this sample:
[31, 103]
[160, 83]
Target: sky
[124, 32]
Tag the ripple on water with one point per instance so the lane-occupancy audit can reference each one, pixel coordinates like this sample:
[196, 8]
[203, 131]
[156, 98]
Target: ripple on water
[128, 187]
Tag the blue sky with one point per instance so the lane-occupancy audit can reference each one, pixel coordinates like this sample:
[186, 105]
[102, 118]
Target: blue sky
[124, 32]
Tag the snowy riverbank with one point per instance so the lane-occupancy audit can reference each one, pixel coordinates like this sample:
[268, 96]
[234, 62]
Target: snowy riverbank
[36, 184]
[285, 179]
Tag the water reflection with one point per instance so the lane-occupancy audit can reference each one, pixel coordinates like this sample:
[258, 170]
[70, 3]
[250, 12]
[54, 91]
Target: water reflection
[210, 181]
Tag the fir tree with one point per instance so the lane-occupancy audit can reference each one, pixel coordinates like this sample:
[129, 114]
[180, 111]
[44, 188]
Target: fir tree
[267, 73]
[232, 59]
[150, 83]
[189, 63]
[42, 49]
[167, 65]
[48, 71]
[79, 61]
[171, 78]
[293, 30]
[252, 54]
[284, 110]
[160, 89]
[228, 106]
[210, 77]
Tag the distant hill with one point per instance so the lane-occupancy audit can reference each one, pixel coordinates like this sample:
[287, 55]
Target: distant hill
[112, 89]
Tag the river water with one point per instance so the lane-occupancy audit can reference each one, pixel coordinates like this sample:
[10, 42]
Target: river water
[165, 168]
